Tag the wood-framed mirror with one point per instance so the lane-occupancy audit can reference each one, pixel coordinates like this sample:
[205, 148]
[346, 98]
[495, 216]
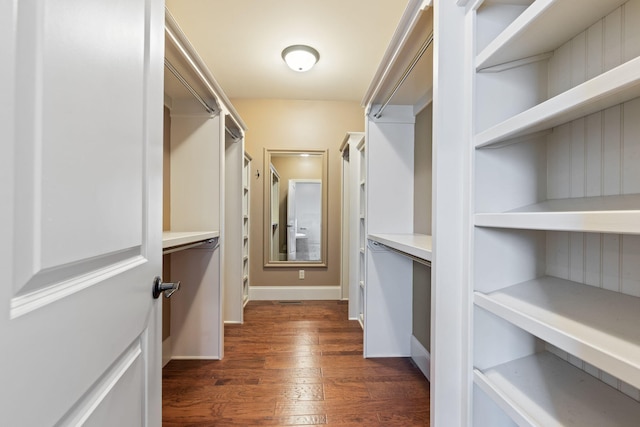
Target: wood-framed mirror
[295, 208]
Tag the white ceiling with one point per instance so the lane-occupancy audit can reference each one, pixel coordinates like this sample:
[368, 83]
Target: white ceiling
[241, 42]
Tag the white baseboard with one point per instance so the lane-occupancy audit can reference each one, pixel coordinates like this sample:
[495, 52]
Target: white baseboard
[421, 357]
[166, 351]
[289, 293]
[196, 357]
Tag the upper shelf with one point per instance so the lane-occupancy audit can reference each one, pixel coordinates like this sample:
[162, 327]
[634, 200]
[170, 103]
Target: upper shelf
[607, 214]
[614, 87]
[570, 316]
[172, 239]
[417, 245]
[542, 27]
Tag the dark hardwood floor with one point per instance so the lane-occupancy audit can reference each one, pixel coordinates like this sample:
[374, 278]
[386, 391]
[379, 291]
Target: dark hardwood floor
[295, 364]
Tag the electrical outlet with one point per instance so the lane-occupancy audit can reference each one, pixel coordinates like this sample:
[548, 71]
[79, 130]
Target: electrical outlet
[300, 274]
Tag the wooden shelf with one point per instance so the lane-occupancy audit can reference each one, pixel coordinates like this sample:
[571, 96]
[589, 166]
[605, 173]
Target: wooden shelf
[543, 390]
[607, 214]
[614, 87]
[172, 239]
[543, 27]
[417, 245]
[594, 324]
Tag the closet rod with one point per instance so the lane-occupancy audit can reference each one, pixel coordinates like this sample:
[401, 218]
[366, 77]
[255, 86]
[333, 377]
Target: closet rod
[404, 254]
[188, 87]
[406, 73]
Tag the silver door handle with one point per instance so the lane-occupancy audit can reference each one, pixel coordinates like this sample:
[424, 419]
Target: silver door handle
[167, 287]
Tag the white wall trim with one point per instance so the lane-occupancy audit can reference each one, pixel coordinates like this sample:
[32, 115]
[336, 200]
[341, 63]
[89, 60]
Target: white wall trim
[166, 351]
[288, 293]
[421, 357]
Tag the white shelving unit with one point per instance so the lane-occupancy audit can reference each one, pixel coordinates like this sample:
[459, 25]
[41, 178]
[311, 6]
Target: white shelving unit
[246, 199]
[361, 237]
[353, 228]
[555, 213]
[236, 191]
[201, 120]
[393, 201]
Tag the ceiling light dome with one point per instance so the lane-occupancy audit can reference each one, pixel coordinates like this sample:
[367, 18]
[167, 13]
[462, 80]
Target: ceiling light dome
[300, 57]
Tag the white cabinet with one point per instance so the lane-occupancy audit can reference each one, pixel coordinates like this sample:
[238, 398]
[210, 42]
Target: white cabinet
[555, 212]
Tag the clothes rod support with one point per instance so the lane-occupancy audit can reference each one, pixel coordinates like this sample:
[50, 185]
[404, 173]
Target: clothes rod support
[191, 90]
[233, 135]
[406, 73]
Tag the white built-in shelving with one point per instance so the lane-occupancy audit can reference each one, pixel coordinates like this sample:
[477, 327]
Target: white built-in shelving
[361, 228]
[246, 200]
[202, 241]
[396, 189]
[556, 192]
[354, 234]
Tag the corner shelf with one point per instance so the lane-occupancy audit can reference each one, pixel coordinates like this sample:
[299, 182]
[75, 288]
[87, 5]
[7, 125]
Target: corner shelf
[543, 390]
[569, 315]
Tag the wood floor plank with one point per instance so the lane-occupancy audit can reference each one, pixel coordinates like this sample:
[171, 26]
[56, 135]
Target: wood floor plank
[295, 365]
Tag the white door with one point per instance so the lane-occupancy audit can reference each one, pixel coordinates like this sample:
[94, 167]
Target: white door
[292, 225]
[80, 222]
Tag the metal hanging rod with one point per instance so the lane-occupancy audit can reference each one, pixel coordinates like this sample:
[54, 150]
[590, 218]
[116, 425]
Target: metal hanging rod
[406, 73]
[404, 254]
[186, 84]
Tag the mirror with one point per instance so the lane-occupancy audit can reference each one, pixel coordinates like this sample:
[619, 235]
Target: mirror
[295, 209]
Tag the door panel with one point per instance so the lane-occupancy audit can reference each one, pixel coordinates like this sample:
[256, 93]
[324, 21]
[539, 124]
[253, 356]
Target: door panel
[83, 177]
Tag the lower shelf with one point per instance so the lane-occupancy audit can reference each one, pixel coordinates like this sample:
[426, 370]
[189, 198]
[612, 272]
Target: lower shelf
[544, 390]
[570, 316]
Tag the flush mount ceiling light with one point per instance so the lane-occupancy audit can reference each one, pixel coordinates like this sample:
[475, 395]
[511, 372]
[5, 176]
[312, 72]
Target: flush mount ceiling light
[300, 57]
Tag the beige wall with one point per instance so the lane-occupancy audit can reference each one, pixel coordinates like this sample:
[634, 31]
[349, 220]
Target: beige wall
[296, 124]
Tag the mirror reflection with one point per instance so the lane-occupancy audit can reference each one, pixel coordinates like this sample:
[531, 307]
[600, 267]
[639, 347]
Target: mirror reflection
[295, 190]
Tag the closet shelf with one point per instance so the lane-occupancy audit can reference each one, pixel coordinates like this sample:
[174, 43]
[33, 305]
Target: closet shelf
[614, 87]
[172, 239]
[606, 214]
[417, 245]
[543, 27]
[594, 324]
[543, 390]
